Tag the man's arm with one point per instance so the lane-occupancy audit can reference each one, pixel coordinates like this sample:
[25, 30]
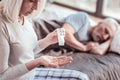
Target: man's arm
[72, 41]
[102, 48]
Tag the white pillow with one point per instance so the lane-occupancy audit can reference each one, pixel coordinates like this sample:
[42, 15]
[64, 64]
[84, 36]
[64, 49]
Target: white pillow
[115, 45]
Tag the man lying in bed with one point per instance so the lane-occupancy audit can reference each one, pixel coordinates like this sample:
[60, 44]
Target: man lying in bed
[78, 30]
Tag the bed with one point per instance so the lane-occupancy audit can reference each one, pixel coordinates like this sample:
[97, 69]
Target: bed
[97, 67]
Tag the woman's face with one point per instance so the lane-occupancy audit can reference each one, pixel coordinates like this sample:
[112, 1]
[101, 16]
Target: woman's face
[28, 6]
[101, 32]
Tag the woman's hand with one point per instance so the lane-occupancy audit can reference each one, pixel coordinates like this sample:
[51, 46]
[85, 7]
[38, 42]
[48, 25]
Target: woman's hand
[51, 38]
[49, 61]
[54, 62]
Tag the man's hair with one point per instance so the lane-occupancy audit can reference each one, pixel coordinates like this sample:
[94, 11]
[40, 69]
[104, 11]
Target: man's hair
[11, 9]
[112, 22]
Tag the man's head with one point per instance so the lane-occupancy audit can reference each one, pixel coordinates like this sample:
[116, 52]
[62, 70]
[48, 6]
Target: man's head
[104, 30]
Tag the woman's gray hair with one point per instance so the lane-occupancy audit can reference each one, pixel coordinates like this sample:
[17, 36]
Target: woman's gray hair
[11, 9]
[112, 22]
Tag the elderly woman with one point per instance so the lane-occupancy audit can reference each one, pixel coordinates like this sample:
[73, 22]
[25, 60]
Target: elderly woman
[18, 44]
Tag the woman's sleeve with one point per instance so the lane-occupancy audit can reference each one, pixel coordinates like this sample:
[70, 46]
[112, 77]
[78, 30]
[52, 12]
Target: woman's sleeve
[37, 48]
[7, 72]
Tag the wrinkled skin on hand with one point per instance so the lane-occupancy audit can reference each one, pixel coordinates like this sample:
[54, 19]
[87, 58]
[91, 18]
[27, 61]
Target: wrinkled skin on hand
[55, 62]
